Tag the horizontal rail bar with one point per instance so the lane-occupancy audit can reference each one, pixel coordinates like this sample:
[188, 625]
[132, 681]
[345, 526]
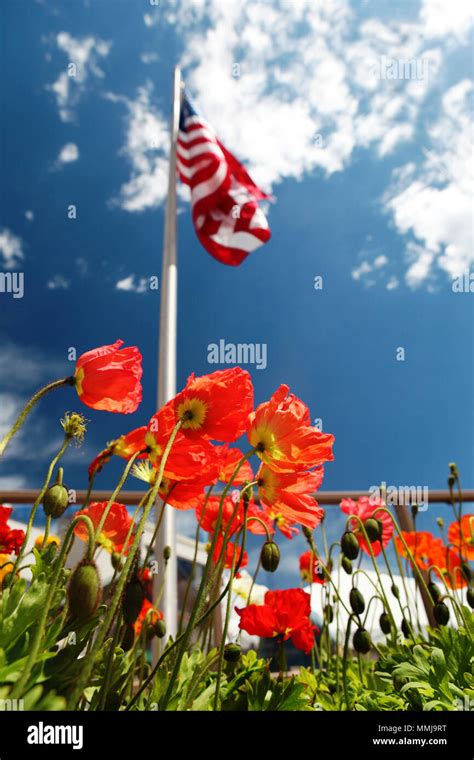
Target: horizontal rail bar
[28, 496]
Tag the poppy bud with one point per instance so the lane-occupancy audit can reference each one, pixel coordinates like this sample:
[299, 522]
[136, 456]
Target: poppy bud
[440, 522]
[307, 532]
[128, 638]
[435, 593]
[466, 571]
[159, 628]
[116, 560]
[385, 624]
[470, 597]
[356, 601]
[347, 565]
[373, 529]
[395, 591]
[328, 613]
[361, 641]
[270, 556]
[132, 600]
[84, 591]
[441, 613]
[406, 629]
[350, 545]
[167, 553]
[454, 469]
[55, 500]
[451, 482]
[232, 652]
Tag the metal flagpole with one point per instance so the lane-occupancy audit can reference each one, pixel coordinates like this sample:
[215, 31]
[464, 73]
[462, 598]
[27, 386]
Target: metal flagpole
[167, 369]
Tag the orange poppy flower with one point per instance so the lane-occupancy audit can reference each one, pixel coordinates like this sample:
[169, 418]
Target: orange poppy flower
[280, 432]
[285, 524]
[115, 529]
[108, 378]
[228, 461]
[148, 613]
[125, 446]
[425, 548]
[466, 544]
[230, 548]
[50, 540]
[186, 458]
[289, 494]
[5, 567]
[216, 406]
[211, 512]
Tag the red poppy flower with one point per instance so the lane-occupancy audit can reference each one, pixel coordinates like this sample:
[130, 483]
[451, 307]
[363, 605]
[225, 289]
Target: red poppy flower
[466, 532]
[10, 539]
[310, 569]
[115, 529]
[289, 494]
[108, 378]
[424, 547]
[286, 525]
[216, 406]
[279, 430]
[148, 613]
[186, 458]
[125, 446]
[229, 554]
[449, 563]
[284, 613]
[228, 461]
[211, 512]
[365, 507]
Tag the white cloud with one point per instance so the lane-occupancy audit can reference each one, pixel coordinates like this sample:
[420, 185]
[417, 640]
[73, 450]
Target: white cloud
[83, 55]
[58, 282]
[132, 284]
[380, 261]
[11, 249]
[432, 202]
[68, 153]
[363, 269]
[146, 149]
[29, 215]
[148, 58]
[442, 17]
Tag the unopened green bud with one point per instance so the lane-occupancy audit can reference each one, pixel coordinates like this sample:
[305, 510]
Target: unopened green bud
[55, 500]
[116, 561]
[328, 613]
[84, 591]
[454, 469]
[232, 652]
[361, 641]
[356, 601]
[373, 529]
[270, 556]
[159, 628]
[470, 597]
[132, 600]
[385, 624]
[440, 522]
[406, 628]
[466, 571]
[395, 591]
[347, 565]
[350, 545]
[167, 553]
[441, 613]
[307, 532]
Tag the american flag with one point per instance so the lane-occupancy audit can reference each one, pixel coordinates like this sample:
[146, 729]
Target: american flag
[226, 215]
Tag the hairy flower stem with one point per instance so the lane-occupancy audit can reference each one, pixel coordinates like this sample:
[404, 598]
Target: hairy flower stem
[203, 585]
[194, 562]
[114, 495]
[29, 406]
[38, 637]
[227, 612]
[39, 499]
[101, 634]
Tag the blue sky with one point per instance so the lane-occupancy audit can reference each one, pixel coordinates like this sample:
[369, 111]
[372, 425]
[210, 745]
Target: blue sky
[369, 169]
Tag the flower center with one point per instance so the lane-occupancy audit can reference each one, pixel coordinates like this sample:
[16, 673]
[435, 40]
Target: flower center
[193, 412]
